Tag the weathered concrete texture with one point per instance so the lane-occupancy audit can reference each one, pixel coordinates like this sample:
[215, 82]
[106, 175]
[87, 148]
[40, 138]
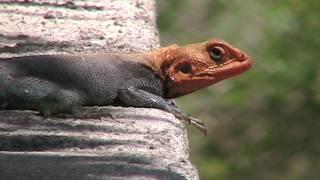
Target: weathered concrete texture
[122, 143]
[50, 26]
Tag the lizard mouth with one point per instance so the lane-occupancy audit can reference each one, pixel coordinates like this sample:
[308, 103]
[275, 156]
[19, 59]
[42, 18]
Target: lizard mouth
[228, 69]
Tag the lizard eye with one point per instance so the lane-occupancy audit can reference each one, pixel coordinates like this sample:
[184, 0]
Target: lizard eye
[217, 54]
[186, 68]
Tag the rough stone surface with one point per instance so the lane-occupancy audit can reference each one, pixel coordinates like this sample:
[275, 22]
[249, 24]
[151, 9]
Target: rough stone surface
[121, 143]
[50, 26]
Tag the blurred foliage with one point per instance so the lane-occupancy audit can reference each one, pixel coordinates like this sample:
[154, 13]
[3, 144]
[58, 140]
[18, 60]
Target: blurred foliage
[264, 124]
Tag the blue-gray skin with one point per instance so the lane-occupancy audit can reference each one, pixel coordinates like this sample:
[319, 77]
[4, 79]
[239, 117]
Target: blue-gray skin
[58, 84]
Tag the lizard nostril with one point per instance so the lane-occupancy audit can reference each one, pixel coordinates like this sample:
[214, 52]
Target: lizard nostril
[241, 57]
[244, 57]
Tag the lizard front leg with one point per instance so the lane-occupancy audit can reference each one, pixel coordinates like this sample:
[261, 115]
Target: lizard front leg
[140, 98]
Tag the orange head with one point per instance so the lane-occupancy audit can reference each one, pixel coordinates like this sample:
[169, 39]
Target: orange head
[192, 67]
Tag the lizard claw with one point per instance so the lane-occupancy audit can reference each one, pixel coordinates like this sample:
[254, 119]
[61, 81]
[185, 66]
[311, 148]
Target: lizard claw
[198, 124]
[192, 121]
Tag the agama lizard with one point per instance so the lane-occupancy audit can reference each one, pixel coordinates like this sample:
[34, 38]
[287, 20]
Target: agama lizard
[55, 84]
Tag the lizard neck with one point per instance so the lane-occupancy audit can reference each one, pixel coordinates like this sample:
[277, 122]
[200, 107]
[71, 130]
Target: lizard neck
[159, 59]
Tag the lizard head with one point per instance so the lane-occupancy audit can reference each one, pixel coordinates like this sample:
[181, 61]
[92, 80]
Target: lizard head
[192, 67]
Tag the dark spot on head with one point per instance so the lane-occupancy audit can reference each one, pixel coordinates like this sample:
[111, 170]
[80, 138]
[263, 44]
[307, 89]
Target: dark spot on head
[186, 68]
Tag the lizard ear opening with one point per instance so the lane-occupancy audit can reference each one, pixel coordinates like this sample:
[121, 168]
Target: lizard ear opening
[185, 68]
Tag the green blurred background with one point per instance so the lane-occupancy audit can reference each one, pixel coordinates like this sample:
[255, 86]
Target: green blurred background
[264, 124]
